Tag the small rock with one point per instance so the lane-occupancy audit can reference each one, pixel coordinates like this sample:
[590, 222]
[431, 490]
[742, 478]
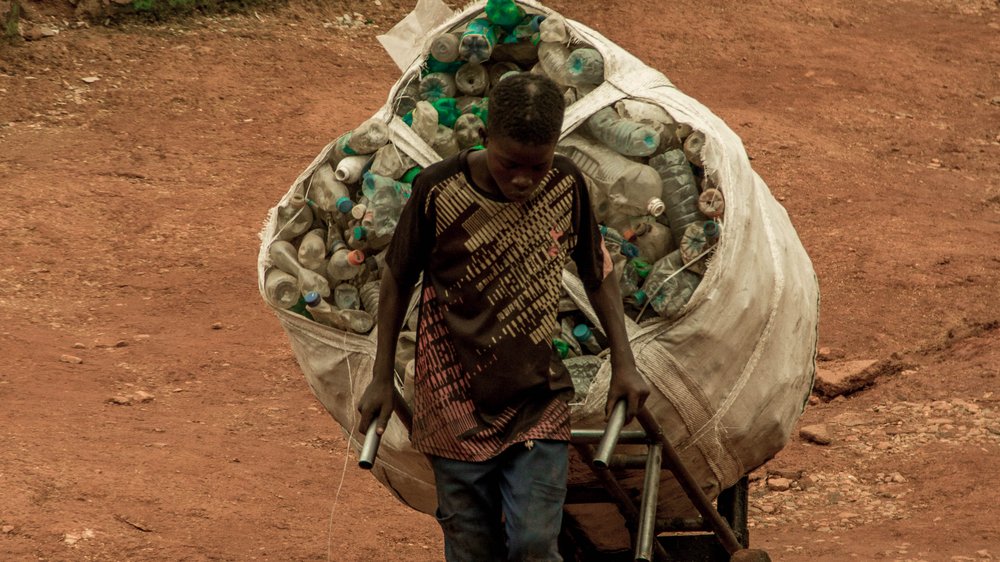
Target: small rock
[984, 554]
[71, 359]
[39, 32]
[120, 400]
[898, 478]
[813, 400]
[788, 473]
[817, 433]
[995, 100]
[217, 326]
[140, 337]
[779, 484]
[143, 396]
[844, 377]
[7, 529]
[121, 343]
[90, 79]
[79, 345]
[829, 354]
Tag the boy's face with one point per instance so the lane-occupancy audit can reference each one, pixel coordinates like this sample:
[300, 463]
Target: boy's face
[516, 167]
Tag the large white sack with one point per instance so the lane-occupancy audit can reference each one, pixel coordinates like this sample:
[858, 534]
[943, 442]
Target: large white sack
[730, 376]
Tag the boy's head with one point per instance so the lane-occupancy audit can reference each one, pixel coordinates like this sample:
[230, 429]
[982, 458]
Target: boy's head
[523, 127]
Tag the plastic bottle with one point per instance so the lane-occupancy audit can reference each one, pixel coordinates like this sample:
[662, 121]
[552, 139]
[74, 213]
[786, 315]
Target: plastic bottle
[447, 111]
[312, 250]
[698, 238]
[711, 203]
[350, 168]
[624, 136]
[504, 13]
[611, 174]
[357, 238]
[468, 130]
[344, 264]
[294, 218]
[563, 349]
[328, 193]
[553, 29]
[357, 321]
[653, 240]
[437, 85]
[425, 121]
[445, 143]
[680, 192]
[585, 66]
[582, 371]
[553, 58]
[391, 162]
[653, 116]
[694, 145]
[633, 275]
[284, 256]
[365, 139]
[444, 46]
[346, 297]
[585, 336]
[669, 289]
[477, 41]
[281, 288]
[386, 203]
[566, 332]
[407, 97]
[472, 79]
[368, 293]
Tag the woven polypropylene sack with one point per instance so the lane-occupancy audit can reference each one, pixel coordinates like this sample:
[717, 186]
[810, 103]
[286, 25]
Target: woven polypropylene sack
[730, 376]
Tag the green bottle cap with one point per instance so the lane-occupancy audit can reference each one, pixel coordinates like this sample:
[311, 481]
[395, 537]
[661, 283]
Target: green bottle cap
[561, 347]
[641, 267]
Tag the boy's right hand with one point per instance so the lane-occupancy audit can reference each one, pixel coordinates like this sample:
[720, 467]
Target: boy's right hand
[376, 404]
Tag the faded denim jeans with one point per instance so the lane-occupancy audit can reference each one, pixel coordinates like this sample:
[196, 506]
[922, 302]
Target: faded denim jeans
[506, 509]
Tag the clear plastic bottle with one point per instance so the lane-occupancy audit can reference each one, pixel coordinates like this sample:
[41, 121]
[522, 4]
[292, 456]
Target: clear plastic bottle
[345, 297]
[344, 264]
[391, 162]
[680, 192]
[468, 130]
[284, 256]
[357, 238]
[553, 58]
[357, 321]
[477, 41]
[294, 218]
[329, 194]
[312, 250]
[425, 121]
[437, 85]
[472, 79]
[624, 136]
[585, 336]
[386, 203]
[366, 138]
[653, 240]
[368, 293]
[553, 29]
[585, 66]
[698, 239]
[350, 168]
[281, 288]
[694, 145]
[668, 288]
[444, 46]
[611, 175]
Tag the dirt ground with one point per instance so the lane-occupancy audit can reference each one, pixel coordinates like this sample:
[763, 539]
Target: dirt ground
[131, 206]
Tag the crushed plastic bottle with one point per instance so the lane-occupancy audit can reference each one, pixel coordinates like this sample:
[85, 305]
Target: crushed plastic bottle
[350, 168]
[326, 192]
[386, 203]
[582, 371]
[694, 146]
[391, 162]
[345, 297]
[612, 176]
[284, 256]
[364, 139]
[563, 348]
[669, 288]
[585, 66]
[357, 321]
[294, 218]
[477, 41]
[633, 275]
[680, 192]
[653, 116]
[369, 294]
[472, 79]
[281, 288]
[622, 135]
[344, 264]
[312, 250]
[437, 85]
[445, 143]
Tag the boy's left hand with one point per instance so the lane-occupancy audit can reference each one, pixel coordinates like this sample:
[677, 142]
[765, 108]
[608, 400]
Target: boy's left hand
[626, 384]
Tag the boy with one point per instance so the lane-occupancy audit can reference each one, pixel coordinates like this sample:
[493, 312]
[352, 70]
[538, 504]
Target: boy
[491, 231]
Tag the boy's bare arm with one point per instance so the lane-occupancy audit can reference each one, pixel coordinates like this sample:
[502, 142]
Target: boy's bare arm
[626, 382]
[377, 401]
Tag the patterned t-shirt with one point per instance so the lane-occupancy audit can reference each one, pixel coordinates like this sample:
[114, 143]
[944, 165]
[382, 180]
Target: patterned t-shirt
[487, 375]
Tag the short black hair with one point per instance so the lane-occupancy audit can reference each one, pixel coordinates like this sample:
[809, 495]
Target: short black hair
[526, 108]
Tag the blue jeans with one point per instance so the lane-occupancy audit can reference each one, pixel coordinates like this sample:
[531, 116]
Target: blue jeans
[508, 508]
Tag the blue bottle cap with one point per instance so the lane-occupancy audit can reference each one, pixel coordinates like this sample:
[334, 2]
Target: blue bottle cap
[581, 332]
[344, 205]
[312, 298]
[629, 250]
[711, 229]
